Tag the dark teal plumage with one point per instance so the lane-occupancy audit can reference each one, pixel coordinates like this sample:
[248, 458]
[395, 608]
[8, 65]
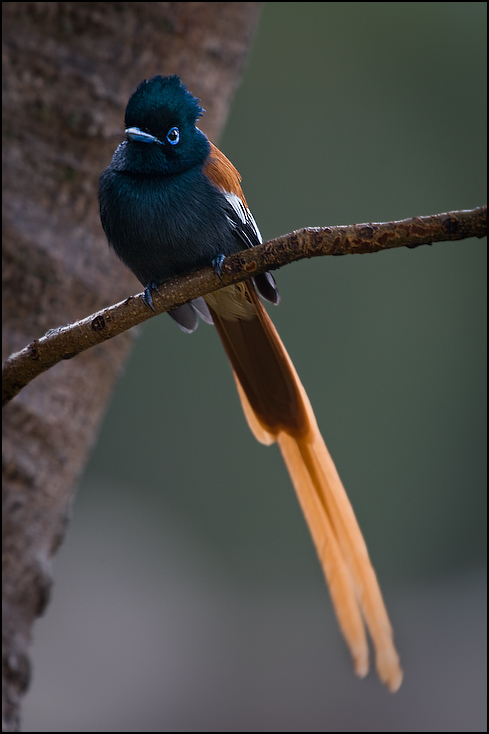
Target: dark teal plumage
[160, 212]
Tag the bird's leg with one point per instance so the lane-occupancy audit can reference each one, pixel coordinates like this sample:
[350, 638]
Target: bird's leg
[147, 298]
[217, 264]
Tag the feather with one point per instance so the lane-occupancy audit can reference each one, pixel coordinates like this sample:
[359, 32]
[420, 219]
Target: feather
[277, 409]
[171, 202]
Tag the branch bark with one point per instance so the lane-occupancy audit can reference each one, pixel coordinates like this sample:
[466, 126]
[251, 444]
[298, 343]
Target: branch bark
[67, 341]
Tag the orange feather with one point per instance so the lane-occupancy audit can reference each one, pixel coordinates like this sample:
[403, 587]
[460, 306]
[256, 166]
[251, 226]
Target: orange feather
[278, 410]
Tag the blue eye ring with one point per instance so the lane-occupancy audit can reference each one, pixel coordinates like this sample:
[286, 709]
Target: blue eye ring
[173, 135]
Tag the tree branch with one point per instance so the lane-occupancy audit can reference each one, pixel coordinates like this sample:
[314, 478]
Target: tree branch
[68, 341]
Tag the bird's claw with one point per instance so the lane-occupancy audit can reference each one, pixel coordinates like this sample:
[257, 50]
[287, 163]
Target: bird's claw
[147, 297]
[217, 264]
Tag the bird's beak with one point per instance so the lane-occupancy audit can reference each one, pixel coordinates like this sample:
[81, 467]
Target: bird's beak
[135, 134]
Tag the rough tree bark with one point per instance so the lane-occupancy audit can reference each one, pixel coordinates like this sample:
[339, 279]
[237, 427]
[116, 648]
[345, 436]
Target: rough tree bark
[69, 69]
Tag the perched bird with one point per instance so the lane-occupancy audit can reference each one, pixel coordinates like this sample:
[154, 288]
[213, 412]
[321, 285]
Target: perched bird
[172, 203]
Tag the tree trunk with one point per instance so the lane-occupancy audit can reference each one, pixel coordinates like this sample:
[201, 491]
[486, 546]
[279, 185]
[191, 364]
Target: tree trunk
[69, 69]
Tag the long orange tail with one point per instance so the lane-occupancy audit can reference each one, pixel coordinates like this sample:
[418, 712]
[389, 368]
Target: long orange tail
[278, 409]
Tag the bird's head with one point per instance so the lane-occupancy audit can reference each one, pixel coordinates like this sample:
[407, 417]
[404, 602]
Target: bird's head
[161, 135]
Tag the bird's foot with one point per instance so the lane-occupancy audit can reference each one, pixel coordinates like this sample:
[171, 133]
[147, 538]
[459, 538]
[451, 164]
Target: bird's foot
[217, 264]
[147, 297]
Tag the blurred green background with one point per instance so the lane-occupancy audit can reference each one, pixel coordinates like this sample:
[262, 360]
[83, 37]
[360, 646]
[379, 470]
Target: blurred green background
[188, 596]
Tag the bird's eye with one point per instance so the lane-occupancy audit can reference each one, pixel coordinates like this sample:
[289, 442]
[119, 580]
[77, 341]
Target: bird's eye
[173, 135]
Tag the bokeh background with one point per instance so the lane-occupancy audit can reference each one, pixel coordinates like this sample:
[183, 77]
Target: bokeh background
[188, 596]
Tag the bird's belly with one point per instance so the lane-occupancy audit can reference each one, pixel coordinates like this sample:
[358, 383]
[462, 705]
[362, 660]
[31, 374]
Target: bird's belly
[168, 232]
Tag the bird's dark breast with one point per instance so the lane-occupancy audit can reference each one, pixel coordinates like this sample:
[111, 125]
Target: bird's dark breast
[162, 226]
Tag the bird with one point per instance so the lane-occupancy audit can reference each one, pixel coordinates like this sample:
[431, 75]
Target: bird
[172, 203]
